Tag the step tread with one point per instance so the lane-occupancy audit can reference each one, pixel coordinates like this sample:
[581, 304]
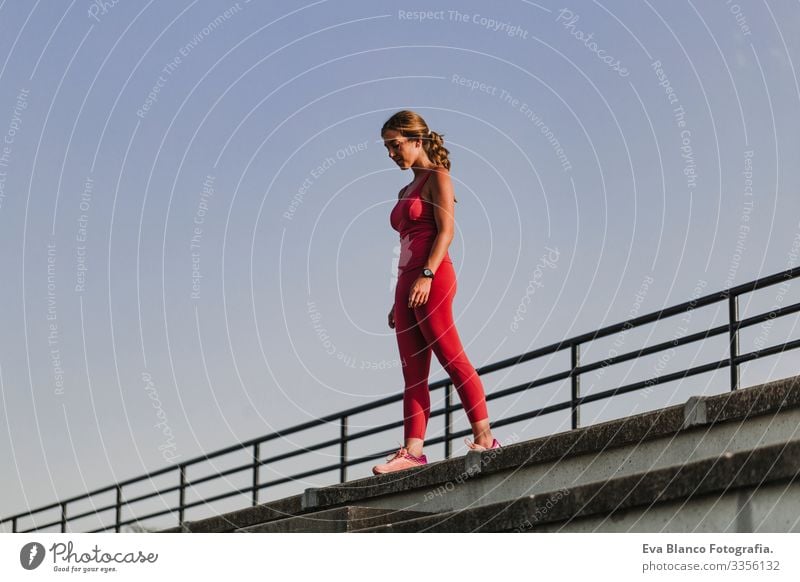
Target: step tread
[228, 522]
[770, 398]
[698, 414]
[339, 519]
[753, 468]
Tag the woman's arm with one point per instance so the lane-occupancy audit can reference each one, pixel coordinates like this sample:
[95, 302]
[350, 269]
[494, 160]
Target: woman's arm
[443, 200]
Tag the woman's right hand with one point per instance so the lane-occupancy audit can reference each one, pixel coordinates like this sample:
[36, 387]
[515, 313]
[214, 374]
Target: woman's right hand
[391, 317]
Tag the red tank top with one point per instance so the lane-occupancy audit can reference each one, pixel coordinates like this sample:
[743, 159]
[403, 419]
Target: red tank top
[413, 218]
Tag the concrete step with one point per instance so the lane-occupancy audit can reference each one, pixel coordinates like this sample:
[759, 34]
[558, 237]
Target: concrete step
[242, 518]
[700, 429]
[756, 490]
[340, 519]
[704, 428]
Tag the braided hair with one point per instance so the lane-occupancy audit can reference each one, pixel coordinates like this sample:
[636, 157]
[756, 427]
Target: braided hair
[412, 126]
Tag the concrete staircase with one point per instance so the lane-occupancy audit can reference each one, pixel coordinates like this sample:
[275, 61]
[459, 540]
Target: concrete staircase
[724, 463]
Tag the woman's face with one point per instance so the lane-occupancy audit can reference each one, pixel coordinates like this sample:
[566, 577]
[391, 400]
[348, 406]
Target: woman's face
[402, 150]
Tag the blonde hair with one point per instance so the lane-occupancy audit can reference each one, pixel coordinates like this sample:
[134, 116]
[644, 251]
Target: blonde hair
[412, 126]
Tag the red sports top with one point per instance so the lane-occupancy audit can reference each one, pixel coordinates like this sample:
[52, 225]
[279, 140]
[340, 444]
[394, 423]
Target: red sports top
[413, 218]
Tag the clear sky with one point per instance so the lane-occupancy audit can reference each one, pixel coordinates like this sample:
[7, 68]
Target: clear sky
[194, 211]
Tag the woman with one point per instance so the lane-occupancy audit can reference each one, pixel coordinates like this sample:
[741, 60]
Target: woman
[422, 313]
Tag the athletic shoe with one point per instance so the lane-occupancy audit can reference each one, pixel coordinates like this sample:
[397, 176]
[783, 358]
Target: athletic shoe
[402, 459]
[476, 447]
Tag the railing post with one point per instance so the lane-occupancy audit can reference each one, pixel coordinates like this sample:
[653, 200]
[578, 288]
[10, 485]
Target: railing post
[118, 510]
[343, 451]
[63, 517]
[256, 467]
[448, 423]
[575, 360]
[181, 494]
[733, 331]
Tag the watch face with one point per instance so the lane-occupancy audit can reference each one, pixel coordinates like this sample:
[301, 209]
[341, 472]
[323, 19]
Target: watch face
[427, 272]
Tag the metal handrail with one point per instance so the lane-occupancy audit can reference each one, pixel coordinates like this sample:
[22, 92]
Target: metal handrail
[576, 369]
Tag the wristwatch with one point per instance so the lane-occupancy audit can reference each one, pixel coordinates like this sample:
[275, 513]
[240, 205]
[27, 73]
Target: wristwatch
[427, 273]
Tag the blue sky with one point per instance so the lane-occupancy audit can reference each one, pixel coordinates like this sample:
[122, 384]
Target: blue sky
[195, 204]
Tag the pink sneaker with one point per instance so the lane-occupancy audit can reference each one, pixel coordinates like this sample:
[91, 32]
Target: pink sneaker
[402, 459]
[476, 447]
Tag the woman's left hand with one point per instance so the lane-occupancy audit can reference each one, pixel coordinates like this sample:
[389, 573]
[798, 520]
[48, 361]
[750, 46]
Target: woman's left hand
[420, 291]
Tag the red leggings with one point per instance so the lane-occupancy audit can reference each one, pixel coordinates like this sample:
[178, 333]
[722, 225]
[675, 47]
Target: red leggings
[431, 326]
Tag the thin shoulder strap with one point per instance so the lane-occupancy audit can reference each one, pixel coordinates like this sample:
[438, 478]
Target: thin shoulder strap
[424, 179]
[421, 184]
